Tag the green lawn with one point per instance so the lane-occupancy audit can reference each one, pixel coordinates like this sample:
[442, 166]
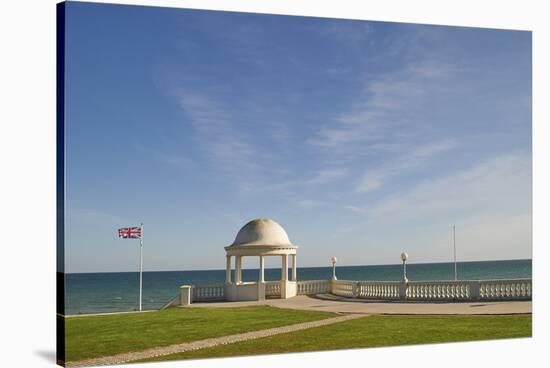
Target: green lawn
[372, 331]
[95, 336]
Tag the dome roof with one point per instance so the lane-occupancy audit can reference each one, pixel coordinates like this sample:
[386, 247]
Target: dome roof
[262, 232]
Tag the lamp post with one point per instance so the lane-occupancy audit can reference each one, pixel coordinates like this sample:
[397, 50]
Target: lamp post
[404, 258]
[333, 260]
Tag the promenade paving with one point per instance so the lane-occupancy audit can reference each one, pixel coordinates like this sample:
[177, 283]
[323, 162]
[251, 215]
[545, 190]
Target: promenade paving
[331, 303]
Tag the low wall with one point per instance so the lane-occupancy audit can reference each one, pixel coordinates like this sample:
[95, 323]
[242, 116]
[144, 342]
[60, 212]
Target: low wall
[456, 291]
[272, 288]
[246, 291]
[313, 287]
[471, 290]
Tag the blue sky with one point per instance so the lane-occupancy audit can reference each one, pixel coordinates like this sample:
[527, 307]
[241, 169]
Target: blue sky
[362, 139]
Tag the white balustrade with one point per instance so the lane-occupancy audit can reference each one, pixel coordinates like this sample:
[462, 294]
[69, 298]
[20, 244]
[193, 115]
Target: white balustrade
[344, 288]
[438, 290]
[516, 289]
[378, 289]
[313, 287]
[208, 292]
[272, 288]
[471, 290]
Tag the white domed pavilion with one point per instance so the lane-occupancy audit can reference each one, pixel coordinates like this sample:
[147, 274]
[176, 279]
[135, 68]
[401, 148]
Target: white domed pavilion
[260, 238]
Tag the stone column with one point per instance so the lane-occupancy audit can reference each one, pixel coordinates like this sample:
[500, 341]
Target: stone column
[238, 273]
[228, 269]
[186, 294]
[284, 268]
[294, 267]
[261, 279]
[403, 289]
[475, 289]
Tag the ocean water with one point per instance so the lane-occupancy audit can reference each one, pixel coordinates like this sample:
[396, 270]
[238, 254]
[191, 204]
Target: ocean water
[119, 291]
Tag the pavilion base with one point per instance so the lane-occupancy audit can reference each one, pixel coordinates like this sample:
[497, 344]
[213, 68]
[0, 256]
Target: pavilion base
[245, 291]
[249, 291]
[288, 289]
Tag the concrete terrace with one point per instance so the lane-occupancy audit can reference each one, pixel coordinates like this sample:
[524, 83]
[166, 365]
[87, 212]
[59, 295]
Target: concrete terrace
[332, 303]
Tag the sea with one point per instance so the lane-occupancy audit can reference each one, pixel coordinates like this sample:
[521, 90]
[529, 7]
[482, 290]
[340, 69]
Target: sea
[105, 292]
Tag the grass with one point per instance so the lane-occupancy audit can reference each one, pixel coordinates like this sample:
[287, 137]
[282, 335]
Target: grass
[96, 336]
[374, 331]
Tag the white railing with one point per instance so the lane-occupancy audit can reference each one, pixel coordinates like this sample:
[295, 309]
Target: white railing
[344, 288]
[511, 289]
[208, 292]
[381, 290]
[439, 290]
[431, 291]
[272, 288]
[378, 289]
[313, 287]
[505, 289]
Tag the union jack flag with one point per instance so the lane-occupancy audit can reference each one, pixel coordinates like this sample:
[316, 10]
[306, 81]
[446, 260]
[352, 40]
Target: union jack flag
[130, 232]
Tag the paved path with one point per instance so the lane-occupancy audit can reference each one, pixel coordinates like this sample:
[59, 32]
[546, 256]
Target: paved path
[331, 303]
[201, 344]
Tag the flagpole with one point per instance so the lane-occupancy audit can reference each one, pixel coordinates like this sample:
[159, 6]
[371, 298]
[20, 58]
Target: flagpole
[454, 247]
[140, 266]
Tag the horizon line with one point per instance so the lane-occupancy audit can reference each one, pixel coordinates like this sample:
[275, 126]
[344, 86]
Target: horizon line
[277, 268]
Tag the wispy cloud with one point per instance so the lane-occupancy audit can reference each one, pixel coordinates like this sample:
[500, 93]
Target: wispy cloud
[177, 160]
[327, 175]
[385, 109]
[308, 203]
[353, 33]
[226, 148]
[375, 178]
[490, 203]
[497, 185]
[387, 127]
